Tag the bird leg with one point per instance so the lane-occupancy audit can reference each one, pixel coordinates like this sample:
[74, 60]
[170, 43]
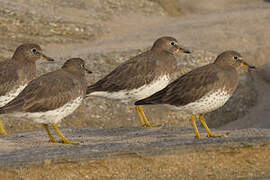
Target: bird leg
[52, 139]
[193, 122]
[143, 118]
[140, 116]
[209, 132]
[65, 140]
[146, 122]
[2, 129]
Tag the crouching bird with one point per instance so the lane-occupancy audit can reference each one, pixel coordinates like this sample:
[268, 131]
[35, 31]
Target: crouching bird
[51, 97]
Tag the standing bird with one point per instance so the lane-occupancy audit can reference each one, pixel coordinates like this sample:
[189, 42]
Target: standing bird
[17, 72]
[140, 76]
[202, 90]
[51, 97]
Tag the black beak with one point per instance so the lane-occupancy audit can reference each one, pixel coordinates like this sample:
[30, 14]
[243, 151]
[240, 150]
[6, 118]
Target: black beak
[245, 64]
[187, 51]
[87, 70]
[182, 50]
[45, 58]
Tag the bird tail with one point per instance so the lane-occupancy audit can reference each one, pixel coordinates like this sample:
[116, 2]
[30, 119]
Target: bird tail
[142, 102]
[156, 98]
[90, 89]
[2, 110]
[12, 106]
[149, 100]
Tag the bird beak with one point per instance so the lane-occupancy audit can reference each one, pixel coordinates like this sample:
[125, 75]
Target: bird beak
[182, 50]
[246, 65]
[45, 58]
[87, 71]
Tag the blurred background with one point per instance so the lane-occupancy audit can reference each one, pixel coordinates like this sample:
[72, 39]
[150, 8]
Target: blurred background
[106, 33]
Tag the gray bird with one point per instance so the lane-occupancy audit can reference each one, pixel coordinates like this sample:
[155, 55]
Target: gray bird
[51, 97]
[17, 72]
[202, 90]
[140, 76]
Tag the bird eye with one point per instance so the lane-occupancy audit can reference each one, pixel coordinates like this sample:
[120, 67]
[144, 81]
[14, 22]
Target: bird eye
[235, 57]
[172, 43]
[82, 66]
[34, 50]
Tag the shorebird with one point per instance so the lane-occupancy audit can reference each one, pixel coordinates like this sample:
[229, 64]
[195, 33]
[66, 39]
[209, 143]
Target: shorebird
[51, 97]
[202, 90]
[16, 72]
[140, 76]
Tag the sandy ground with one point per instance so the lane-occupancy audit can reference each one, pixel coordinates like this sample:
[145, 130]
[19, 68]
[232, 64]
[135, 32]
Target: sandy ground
[137, 153]
[106, 33]
[249, 163]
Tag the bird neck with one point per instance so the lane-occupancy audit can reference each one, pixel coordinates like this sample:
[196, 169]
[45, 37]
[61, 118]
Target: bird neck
[224, 65]
[21, 59]
[157, 51]
[79, 75]
[75, 72]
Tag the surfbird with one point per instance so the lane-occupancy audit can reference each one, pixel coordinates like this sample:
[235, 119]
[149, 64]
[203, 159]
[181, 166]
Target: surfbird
[51, 97]
[16, 72]
[140, 76]
[202, 90]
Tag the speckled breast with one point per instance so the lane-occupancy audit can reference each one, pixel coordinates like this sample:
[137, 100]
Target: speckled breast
[209, 102]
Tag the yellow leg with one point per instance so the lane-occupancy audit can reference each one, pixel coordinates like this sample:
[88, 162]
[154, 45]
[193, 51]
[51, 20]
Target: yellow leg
[193, 121]
[140, 116]
[146, 122]
[209, 132]
[52, 139]
[2, 129]
[143, 118]
[65, 140]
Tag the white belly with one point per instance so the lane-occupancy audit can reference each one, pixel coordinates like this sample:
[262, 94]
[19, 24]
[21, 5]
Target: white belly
[207, 103]
[53, 116]
[136, 94]
[11, 95]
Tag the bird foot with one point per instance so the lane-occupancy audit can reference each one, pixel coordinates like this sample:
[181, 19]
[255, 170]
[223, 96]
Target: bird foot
[200, 137]
[63, 141]
[55, 141]
[217, 135]
[151, 125]
[70, 142]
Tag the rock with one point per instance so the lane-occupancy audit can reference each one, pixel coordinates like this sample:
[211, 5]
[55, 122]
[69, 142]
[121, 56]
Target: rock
[172, 7]
[257, 115]
[32, 148]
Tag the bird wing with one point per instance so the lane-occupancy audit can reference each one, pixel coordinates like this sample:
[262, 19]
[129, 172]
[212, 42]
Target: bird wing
[45, 93]
[129, 75]
[8, 77]
[186, 89]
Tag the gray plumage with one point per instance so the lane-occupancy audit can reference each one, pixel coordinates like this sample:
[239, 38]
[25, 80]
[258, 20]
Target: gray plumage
[191, 87]
[19, 70]
[52, 90]
[141, 69]
[140, 76]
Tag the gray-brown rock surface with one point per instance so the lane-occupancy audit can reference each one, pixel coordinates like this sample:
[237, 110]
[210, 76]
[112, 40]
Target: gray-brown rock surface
[32, 148]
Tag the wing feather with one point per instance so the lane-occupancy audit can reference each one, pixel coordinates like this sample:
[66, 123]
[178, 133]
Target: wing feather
[188, 88]
[133, 73]
[47, 92]
[8, 76]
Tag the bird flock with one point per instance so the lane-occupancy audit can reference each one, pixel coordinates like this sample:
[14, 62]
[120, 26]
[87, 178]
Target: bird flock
[146, 79]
